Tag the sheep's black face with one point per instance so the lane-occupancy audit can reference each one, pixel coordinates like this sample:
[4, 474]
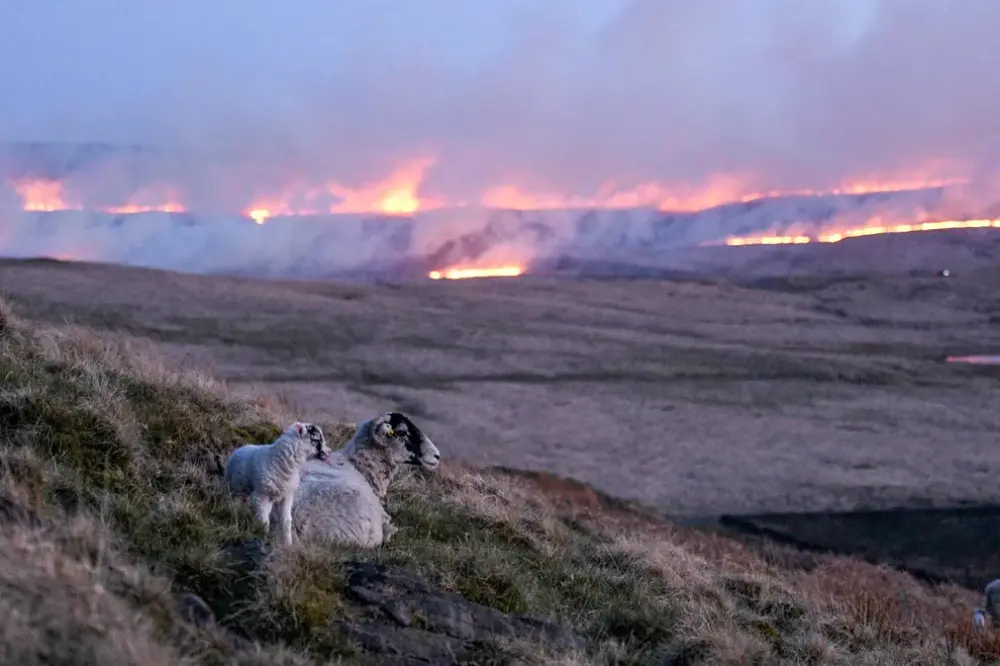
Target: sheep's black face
[318, 441]
[418, 448]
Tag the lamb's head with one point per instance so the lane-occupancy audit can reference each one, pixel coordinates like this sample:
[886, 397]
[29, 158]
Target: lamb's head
[311, 435]
[407, 444]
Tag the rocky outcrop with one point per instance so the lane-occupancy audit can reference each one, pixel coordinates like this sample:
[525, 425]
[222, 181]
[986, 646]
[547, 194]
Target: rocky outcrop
[404, 620]
[421, 623]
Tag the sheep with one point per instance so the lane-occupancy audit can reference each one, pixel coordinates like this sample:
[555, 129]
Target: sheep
[992, 610]
[342, 499]
[270, 473]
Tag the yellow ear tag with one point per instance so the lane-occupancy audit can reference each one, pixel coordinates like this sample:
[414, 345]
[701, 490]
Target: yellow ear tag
[388, 431]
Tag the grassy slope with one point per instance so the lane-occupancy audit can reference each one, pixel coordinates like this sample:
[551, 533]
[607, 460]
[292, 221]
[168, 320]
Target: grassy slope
[108, 447]
[838, 380]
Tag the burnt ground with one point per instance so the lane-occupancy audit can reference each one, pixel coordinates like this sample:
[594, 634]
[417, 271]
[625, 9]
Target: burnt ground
[799, 394]
[959, 545]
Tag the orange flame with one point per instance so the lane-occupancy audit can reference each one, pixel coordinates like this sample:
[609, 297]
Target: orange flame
[860, 188]
[876, 228]
[259, 215]
[399, 194]
[720, 190]
[465, 273]
[395, 195]
[41, 195]
[139, 202]
[131, 209]
[263, 209]
[49, 195]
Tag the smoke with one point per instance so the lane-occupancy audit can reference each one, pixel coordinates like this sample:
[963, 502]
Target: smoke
[216, 105]
[615, 241]
[251, 96]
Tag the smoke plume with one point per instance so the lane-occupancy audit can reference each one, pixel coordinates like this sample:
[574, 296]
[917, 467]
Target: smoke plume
[222, 103]
[557, 96]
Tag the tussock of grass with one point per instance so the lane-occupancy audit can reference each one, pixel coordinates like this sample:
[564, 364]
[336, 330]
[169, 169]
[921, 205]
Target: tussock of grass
[112, 511]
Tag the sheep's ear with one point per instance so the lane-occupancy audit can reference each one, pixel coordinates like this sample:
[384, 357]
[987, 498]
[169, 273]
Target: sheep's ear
[389, 432]
[300, 428]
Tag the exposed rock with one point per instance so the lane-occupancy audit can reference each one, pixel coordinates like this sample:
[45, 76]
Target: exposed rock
[425, 624]
[403, 619]
[404, 646]
[246, 556]
[195, 610]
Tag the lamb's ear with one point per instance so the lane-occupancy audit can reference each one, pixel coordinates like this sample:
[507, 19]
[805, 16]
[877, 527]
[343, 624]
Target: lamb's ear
[300, 428]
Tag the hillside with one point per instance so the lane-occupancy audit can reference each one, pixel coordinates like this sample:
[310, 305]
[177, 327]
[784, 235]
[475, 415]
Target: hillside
[110, 516]
[924, 253]
[698, 398]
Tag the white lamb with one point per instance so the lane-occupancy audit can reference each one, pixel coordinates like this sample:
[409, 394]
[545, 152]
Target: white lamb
[269, 473]
[341, 499]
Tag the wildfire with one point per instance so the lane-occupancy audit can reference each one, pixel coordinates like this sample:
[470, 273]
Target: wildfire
[261, 211]
[259, 215]
[860, 188]
[465, 273]
[41, 195]
[50, 195]
[720, 190]
[401, 194]
[395, 195]
[874, 229]
[131, 209]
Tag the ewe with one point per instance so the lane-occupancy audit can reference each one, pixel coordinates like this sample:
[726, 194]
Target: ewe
[341, 499]
[270, 473]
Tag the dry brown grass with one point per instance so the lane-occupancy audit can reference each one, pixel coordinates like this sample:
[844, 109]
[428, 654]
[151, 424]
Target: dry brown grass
[698, 398]
[102, 450]
[127, 518]
[57, 608]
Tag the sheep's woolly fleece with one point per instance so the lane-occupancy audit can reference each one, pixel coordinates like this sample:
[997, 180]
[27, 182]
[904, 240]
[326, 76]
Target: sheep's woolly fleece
[270, 473]
[341, 499]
